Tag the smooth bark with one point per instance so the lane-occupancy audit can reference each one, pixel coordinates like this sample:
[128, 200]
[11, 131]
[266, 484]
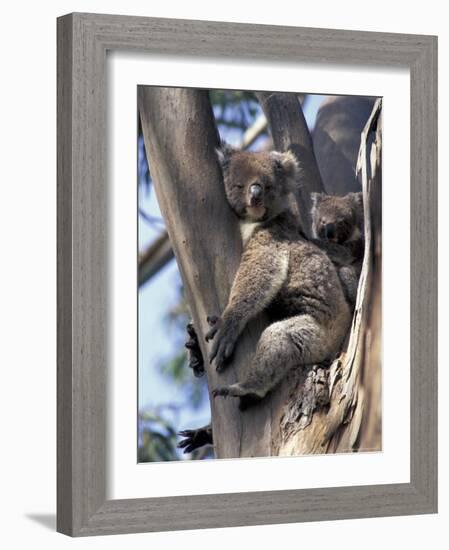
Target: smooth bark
[180, 140]
[289, 130]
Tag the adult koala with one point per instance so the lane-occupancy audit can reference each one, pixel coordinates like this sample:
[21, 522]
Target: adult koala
[280, 272]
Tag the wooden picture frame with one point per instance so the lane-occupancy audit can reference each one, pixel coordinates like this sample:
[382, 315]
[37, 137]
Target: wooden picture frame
[83, 40]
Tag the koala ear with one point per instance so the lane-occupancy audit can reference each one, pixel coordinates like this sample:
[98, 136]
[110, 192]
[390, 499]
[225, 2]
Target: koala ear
[224, 153]
[286, 162]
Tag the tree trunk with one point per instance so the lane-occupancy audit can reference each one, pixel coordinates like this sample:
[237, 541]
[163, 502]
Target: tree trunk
[180, 138]
[160, 252]
[350, 390]
[336, 141]
[154, 258]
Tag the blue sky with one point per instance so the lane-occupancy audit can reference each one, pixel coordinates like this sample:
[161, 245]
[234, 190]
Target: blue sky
[157, 339]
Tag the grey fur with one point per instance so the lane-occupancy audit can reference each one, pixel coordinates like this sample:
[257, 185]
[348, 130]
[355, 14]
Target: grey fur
[280, 272]
[346, 246]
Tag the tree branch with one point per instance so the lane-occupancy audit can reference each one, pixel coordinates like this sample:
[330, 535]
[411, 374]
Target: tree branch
[254, 131]
[289, 130]
[336, 140]
[154, 258]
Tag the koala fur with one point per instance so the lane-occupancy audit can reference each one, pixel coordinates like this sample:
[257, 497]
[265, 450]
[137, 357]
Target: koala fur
[338, 228]
[280, 272]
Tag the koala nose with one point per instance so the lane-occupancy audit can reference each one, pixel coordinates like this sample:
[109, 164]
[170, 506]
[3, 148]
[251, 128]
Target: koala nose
[329, 230]
[255, 191]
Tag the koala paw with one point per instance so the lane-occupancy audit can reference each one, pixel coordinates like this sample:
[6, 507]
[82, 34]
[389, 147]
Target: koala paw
[214, 321]
[224, 342]
[222, 349]
[195, 357]
[194, 439]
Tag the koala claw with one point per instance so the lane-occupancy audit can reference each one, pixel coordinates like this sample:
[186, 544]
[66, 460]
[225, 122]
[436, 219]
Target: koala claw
[214, 322]
[210, 334]
[194, 355]
[221, 351]
[194, 439]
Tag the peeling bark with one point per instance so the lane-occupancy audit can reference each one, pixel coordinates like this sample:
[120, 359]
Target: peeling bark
[352, 419]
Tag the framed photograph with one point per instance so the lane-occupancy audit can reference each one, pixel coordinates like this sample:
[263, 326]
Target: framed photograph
[247, 274]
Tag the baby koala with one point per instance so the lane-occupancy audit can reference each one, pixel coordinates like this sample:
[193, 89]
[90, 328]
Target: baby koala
[280, 272]
[338, 228]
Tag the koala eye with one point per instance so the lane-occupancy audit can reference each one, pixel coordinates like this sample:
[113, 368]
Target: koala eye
[240, 186]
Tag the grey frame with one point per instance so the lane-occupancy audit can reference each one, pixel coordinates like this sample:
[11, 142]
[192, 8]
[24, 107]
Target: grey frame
[83, 40]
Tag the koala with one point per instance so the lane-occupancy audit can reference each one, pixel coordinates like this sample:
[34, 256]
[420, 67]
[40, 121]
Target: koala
[338, 219]
[194, 356]
[338, 228]
[280, 272]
